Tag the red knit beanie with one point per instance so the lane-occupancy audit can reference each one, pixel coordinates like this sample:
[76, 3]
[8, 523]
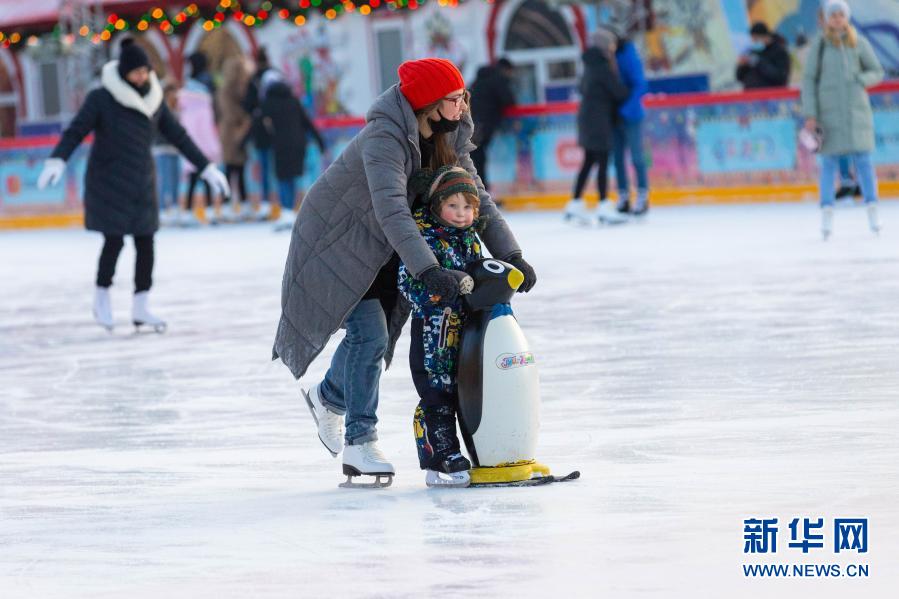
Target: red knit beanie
[427, 80]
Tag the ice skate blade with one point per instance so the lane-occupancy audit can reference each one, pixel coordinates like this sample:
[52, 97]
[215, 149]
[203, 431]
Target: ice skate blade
[576, 220]
[156, 328]
[440, 480]
[377, 484]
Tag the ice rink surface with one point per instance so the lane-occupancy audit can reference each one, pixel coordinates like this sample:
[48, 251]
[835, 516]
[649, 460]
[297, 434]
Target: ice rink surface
[710, 365]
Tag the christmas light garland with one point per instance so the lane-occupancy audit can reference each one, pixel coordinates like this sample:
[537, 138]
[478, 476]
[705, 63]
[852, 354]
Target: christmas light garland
[250, 14]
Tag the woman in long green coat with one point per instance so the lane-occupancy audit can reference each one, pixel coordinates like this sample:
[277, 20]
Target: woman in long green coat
[835, 102]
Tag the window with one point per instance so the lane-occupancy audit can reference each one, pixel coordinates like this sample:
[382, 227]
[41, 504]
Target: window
[389, 43]
[51, 104]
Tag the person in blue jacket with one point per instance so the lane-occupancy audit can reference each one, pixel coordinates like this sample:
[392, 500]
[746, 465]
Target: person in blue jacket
[628, 131]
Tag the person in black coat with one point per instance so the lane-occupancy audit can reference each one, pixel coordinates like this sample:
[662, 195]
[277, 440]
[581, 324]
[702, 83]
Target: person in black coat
[125, 114]
[767, 64]
[601, 93]
[491, 95]
[289, 126]
[259, 135]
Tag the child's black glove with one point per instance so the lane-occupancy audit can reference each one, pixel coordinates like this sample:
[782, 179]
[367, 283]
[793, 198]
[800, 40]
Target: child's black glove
[530, 277]
[446, 284]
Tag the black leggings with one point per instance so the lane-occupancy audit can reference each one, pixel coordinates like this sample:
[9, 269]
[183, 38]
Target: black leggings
[192, 181]
[143, 264]
[232, 170]
[592, 157]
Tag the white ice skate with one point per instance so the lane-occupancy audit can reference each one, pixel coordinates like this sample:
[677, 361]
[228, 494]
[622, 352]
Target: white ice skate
[576, 212]
[434, 478]
[141, 315]
[186, 218]
[826, 222]
[286, 220]
[264, 212]
[330, 425]
[366, 460]
[873, 219]
[642, 205]
[168, 217]
[103, 308]
[606, 214]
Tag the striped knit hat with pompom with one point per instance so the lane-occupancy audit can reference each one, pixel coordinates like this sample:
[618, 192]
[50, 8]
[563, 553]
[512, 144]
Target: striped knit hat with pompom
[433, 186]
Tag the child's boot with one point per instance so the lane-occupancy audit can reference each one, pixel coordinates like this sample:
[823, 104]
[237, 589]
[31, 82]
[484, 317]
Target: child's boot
[438, 447]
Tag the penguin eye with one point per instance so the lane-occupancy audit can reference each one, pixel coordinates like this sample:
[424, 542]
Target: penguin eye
[493, 266]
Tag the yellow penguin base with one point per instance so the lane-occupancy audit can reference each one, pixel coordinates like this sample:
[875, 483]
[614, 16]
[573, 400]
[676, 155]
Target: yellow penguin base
[508, 473]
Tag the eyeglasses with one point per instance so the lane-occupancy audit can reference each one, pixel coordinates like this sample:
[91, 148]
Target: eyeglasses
[456, 100]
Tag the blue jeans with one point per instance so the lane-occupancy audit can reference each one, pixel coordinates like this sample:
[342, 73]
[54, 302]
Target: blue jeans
[168, 175]
[629, 136]
[864, 173]
[265, 164]
[351, 383]
[287, 193]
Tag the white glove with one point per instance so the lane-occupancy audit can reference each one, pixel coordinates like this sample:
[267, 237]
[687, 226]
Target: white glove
[52, 173]
[216, 179]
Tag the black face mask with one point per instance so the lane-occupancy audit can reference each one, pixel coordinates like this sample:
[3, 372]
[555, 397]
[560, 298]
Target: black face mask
[444, 125]
[141, 89]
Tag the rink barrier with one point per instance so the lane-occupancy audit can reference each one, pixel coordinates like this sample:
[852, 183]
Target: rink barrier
[703, 148]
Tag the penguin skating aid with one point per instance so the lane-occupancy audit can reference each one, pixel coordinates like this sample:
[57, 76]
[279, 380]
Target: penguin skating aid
[499, 386]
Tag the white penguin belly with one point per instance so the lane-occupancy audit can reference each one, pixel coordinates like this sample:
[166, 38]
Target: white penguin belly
[510, 411]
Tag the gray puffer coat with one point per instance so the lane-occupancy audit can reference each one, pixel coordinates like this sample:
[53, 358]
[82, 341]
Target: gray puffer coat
[351, 221]
[833, 92]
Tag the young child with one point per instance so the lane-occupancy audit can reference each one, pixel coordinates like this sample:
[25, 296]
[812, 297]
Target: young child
[447, 217]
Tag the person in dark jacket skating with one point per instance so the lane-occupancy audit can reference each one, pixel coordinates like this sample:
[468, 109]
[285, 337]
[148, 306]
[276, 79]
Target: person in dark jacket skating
[601, 93]
[767, 64]
[125, 113]
[491, 95]
[259, 135]
[289, 127]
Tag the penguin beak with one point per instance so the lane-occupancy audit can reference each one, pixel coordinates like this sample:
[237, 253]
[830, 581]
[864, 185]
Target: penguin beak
[515, 278]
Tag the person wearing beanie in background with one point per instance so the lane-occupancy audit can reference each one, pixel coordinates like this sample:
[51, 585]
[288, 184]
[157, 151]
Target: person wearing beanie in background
[342, 265]
[841, 65]
[124, 114]
[601, 93]
[446, 213]
[767, 64]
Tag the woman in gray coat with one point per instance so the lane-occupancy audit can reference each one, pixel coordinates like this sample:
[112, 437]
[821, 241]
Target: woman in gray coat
[840, 66]
[342, 264]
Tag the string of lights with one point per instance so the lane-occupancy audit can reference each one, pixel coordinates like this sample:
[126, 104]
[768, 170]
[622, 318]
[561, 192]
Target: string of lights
[251, 14]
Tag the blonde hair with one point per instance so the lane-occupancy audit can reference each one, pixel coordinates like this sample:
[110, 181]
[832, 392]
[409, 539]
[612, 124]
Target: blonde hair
[837, 39]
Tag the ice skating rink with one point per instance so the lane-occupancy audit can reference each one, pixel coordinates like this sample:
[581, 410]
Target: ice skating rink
[710, 365]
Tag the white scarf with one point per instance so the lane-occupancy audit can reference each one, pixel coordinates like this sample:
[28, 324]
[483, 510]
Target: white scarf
[129, 97]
